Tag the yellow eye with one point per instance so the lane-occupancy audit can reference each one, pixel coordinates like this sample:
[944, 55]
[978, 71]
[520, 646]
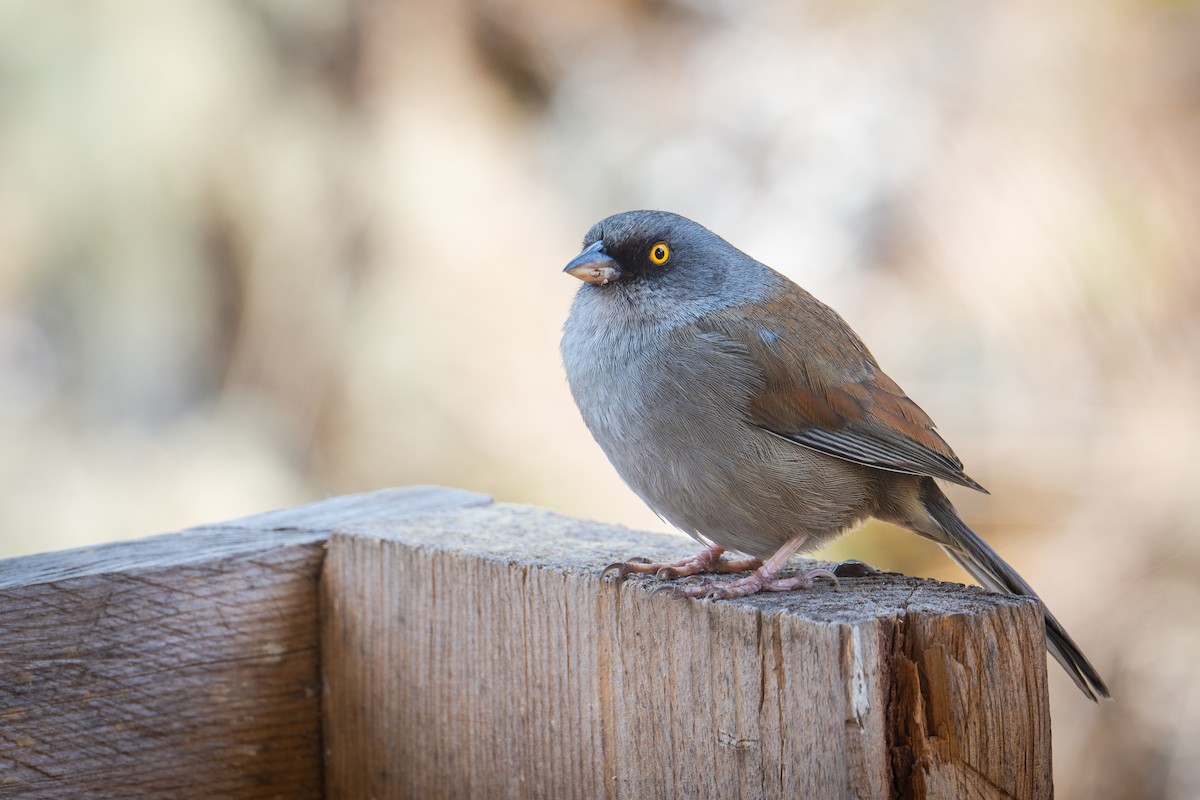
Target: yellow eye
[660, 253]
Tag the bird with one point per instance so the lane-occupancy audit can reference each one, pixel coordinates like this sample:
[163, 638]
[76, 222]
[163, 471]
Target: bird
[747, 413]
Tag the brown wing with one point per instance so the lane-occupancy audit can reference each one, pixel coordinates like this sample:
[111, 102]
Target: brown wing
[825, 391]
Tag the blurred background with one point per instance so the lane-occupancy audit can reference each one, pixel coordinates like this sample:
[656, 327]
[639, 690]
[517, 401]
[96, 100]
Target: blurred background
[257, 253]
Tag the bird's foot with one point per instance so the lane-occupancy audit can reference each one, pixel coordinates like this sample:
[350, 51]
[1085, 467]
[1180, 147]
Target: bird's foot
[761, 580]
[707, 560]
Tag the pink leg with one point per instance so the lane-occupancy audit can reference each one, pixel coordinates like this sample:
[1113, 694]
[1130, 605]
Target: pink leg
[763, 579]
[707, 560]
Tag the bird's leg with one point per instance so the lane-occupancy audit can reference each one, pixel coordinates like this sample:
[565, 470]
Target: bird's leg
[707, 560]
[764, 579]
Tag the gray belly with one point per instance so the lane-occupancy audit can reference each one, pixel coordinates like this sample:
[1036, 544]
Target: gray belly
[672, 419]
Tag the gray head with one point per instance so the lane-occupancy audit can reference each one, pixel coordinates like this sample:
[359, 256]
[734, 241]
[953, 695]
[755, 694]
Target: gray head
[655, 258]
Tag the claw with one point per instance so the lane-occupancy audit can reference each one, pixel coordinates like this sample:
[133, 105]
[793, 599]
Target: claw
[823, 573]
[670, 588]
[620, 567]
[624, 569]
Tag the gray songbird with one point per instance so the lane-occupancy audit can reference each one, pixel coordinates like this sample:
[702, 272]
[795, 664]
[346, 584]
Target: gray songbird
[747, 413]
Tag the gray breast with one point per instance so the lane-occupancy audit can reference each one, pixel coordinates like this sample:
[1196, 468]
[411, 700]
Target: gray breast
[669, 408]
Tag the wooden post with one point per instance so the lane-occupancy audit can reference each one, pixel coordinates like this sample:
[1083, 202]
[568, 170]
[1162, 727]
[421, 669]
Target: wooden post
[476, 654]
[468, 649]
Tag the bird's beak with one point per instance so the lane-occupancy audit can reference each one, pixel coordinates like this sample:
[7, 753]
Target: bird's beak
[594, 266]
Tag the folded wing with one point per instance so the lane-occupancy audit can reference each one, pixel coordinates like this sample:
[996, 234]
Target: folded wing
[825, 391]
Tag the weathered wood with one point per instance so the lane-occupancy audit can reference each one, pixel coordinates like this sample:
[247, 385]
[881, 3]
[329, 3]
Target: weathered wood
[475, 653]
[469, 650]
[164, 679]
[377, 507]
[184, 665]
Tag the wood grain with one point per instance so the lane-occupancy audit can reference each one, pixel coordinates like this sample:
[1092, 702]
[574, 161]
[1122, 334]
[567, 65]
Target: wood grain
[172, 680]
[475, 654]
[184, 665]
[424, 643]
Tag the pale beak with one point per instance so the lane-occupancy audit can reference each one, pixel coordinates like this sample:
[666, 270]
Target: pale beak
[594, 266]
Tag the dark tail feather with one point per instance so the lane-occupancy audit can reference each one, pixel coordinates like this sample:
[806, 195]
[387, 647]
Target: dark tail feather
[976, 557]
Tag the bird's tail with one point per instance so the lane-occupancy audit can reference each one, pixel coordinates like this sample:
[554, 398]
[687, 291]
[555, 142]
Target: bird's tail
[975, 556]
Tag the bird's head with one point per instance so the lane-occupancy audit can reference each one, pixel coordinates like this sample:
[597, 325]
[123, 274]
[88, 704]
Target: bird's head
[655, 249]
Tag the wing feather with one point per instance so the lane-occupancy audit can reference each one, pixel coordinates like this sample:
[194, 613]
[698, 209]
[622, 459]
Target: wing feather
[824, 390]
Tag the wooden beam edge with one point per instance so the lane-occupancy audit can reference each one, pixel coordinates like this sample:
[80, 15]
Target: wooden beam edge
[238, 538]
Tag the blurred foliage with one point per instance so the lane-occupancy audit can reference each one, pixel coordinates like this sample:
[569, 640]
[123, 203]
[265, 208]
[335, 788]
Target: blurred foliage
[255, 253]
